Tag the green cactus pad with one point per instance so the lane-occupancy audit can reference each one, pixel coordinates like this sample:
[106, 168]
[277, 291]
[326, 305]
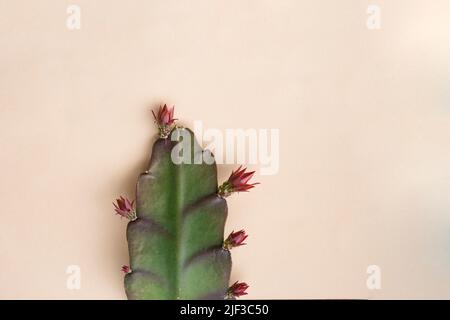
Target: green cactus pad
[176, 242]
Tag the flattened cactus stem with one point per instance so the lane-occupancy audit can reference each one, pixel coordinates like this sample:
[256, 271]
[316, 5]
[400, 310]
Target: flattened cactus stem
[171, 255]
[177, 247]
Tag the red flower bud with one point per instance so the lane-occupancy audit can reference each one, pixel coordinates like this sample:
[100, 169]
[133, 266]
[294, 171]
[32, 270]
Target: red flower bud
[124, 208]
[237, 290]
[237, 182]
[165, 120]
[126, 269]
[235, 239]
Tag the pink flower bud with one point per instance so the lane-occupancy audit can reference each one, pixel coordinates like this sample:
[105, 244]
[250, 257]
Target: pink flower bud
[126, 269]
[235, 239]
[237, 290]
[237, 182]
[124, 208]
[165, 120]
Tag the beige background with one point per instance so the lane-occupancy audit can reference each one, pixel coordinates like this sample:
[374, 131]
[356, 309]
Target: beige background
[364, 138]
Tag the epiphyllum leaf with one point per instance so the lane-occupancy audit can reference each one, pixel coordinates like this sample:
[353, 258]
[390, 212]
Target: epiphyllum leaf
[175, 243]
[175, 238]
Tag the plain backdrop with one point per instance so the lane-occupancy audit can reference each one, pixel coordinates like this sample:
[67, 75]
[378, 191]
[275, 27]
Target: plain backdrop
[364, 120]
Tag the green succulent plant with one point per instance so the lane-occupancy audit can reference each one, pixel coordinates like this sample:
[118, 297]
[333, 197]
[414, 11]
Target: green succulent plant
[176, 229]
